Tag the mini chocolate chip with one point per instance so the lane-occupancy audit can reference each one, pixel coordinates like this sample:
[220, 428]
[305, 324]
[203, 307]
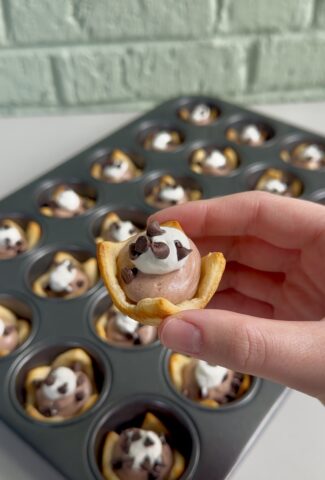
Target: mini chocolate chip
[79, 396]
[128, 274]
[132, 230]
[116, 226]
[8, 329]
[37, 384]
[128, 336]
[153, 475]
[6, 226]
[133, 254]
[153, 229]
[141, 245]
[76, 366]
[174, 202]
[146, 464]
[135, 436]
[70, 267]
[19, 243]
[80, 380]
[48, 411]
[117, 465]
[63, 388]
[182, 252]
[235, 388]
[7, 243]
[148, 442]
[225, 377]
[80, 283]
[230, 397]
[125, 443]
[136, 341]
[163, 439]
[160, 250]
[49, 380]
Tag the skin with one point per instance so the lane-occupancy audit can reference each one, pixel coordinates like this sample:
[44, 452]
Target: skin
[268, 317]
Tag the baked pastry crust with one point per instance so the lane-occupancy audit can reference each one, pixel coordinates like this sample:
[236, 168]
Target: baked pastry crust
[151, 311]
[22, 325]
[66, 359]
[150, 422]
[96, 170]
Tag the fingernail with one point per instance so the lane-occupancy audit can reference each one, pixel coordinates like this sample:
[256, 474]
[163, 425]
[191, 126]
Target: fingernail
[181, 336]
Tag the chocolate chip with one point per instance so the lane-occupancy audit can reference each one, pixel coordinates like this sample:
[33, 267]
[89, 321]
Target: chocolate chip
[146, 465]
[148, 442]
[63, 388]
[174, 202]
[125, 443]
[49, 380]
[76, 366]
[141, 245]
[160, 250]
[48, 411]
[80, 380]
[133, 254]
[7, 243]
[182, 252]
[128, 274]
[37, 384]
[135, 436]
[117, 465]
[153, 229]
[132, 231]
[19, 243]
[79, 396]
[115, 226]
[225, 377]
[153, 475]
[80, 283]
[163, 439]
[8, 329]
[136, 340]
[230, 397]
[70, 267]
[5, 226]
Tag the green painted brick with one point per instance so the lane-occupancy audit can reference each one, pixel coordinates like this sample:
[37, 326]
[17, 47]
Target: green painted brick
[265, 15]
[26, 80]
[36, 21]
[2, 27]
[167, 70]
[291, 62]
[91, 76]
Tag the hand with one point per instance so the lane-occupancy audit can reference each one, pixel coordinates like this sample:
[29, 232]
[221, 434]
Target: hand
[267, 318]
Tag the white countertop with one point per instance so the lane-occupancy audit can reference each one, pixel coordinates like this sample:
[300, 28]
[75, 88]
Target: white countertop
[291, 447]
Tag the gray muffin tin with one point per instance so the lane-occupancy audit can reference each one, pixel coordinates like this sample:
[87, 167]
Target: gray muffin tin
[131, 381]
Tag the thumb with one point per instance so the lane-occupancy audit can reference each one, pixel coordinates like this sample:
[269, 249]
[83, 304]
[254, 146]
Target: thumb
[287, 352]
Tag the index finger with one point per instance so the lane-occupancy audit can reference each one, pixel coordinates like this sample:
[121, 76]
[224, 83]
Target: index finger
[284, 222]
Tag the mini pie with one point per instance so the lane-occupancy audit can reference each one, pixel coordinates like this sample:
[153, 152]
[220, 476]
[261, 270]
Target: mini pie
[141, 453]
[250, 134]
[279, 182]
[118, 329]
[158, 273]
[66, 202]
[15, 239]
[14, 330]
[67, 277]
[214, 161]
[168, 191]
[114, 229]
[208, 385]
[306, 155]
[163, 140]
[117, 167]
[63, 389]
[199, 114]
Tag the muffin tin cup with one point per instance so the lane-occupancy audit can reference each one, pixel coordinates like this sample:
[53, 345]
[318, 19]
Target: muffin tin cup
[133, 376]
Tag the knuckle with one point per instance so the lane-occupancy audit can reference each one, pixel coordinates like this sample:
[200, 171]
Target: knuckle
[249, 349]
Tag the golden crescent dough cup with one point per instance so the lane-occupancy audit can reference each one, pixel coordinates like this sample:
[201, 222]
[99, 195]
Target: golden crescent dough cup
[97, 169]
[65, 359]
[152, 311]
[150, 422]
[22, 325]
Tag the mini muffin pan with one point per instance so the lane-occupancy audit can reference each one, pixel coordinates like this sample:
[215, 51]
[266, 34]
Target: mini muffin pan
[134, 381]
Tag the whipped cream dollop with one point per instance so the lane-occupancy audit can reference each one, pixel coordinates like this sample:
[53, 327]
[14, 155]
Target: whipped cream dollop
[201, 113]
[161, 140]
[68, 200]
[215, 159]
[61, 277]
[9, 236]
[276, 186]
[2, 327]
[148, 263]
[125, 324]
[209, 376]
[251, 133]
[115, 170]
[314, 152]
[61, 382]
[172, 194]
[146, 446]
[122, 230]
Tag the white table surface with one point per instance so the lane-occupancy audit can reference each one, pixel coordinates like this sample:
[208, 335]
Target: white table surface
[292, 446]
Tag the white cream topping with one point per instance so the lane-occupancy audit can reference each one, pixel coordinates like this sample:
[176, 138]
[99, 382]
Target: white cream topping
[139, 452]
[62, 376]
[115, 171]
[251, 133]
[9, 235]
[68, 200]
[148, 263]
[121, 232]
[2, 327]
[276, 186]
[62, 276]
[216, 159]
[209, 376]
[161, 140]
[201, 113]
[125, 324]
[170, 194]
[314, 152]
